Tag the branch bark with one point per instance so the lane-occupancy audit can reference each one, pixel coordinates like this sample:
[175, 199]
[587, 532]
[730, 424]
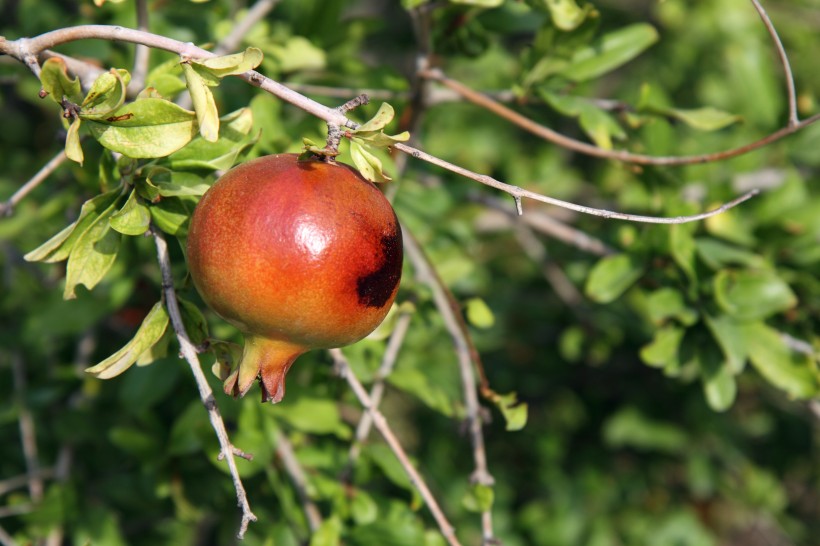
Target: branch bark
[189, 353]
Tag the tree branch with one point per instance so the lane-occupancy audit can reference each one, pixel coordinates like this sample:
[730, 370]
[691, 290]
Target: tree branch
[189, 353]
[28, 434]
[517, 193]
[8, 207]
[384, 429]
[548, 134]
[284, 449]
[784, 62]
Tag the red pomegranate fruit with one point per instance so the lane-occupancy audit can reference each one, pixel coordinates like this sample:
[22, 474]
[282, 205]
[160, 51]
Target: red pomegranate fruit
[298, 255]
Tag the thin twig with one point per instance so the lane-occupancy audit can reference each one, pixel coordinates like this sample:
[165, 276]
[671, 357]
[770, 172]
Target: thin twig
[142, 53]
[16, 482]
[585, 148]
[550, 226]
[6, 539]
[257, 12]
[391, 353]
[381, 424]
[518, 192]
[21, 48]
[7, 207]
[284, 449]
[189, 353]
[468, 358]
[784, 62]
[28, 435]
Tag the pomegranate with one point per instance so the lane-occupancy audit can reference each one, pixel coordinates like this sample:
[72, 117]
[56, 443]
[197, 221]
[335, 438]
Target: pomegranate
[298, 255]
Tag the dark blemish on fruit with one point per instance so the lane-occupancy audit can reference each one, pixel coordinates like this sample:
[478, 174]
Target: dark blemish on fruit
[375, 289]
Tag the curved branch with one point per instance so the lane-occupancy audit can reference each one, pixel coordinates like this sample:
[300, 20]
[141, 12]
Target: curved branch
[345, 371]
[784, 61]
[518, 193]
[564, 141]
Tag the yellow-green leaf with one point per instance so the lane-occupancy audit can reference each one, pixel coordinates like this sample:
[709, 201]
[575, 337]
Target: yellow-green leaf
[148, 334]
[380, 120]
[133, 218]
[207, 115]
[55, 81]
[145, 128]
[92, 255]
[106, 94]
[73, 149]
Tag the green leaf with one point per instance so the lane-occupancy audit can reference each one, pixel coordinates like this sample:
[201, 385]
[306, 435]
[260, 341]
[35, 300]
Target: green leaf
[55, 81]
[479, 498]
[666, 303]
[662, 351]
[171, 214]
[610, 51]
[230, 65]
[717, 377]
[92, 255]
[202, 98]
[612, 276]
[145, 128]
[329, 533]
[479, 3]
[515, 413]
[567, 15]
[704, 119]
[682, 247]
[730, 337]
[378, 139]
[368, 164]
[717, 254]
[479, 313]
[752, 294]
[234, 129]
[59, 247]
[227, 356]
[363, 508]
[380, 120]
[106, 94]
[73, 148]
[796, 374]
[133, 218]
[312, 415]
[631, 428]
[195, 323]
[415, 382]
[150, 332]
[170, 183]
[598, 124]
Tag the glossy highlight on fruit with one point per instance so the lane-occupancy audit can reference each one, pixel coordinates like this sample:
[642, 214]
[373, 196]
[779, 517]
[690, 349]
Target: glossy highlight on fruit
[298, 255]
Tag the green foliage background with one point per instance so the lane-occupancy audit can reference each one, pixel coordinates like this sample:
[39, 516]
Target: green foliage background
[667, 403]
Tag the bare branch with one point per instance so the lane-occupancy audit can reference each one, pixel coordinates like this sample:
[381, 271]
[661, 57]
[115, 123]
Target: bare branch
[391, 354]
[467, 358]
[142, 53]
[518, 192]
[585, 148]
[52, 165]
[28, 435]
[549, 226]
[189, 353]
[284, 449]
[6, 539]
[384, 429]
[784, 61]
[258, 12]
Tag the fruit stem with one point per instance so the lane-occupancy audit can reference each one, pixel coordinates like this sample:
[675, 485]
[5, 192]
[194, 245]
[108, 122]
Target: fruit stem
[334, 131]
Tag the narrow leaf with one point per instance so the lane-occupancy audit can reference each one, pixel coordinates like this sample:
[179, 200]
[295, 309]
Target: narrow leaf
[92, 256]
[610, 51]
[380, 120]
[368, 164]
[229, 65]
[149, 333]
[207, 115]
[73, 149]
[59, 247]
[794, 373]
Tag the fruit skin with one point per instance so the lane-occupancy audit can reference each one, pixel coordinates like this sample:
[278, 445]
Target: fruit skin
[298, 255]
